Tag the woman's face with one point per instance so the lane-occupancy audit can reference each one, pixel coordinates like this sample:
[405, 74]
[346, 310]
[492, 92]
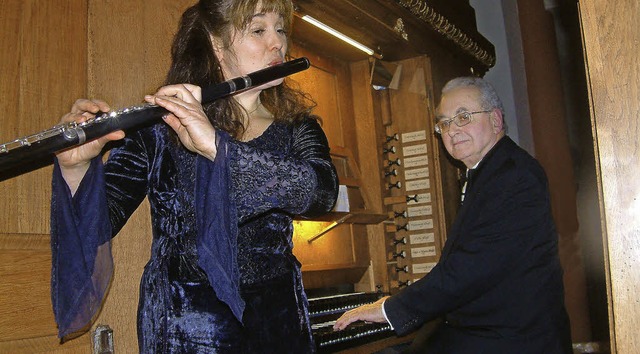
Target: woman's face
[262, 44]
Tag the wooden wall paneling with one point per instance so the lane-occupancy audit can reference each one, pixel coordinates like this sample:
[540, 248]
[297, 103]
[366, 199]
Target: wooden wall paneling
[129, 55]
[11, 23]
[43, 65]
[25, 264]
[49, 345]
[368, 133]
[609, 37]
[26, 318]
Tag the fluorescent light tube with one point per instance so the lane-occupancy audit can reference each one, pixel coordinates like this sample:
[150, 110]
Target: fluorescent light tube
[337, 34]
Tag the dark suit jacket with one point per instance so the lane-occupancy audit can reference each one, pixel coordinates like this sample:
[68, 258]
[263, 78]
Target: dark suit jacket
[498, 284]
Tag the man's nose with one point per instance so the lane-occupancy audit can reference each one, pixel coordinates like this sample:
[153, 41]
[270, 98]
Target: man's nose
[453, 129]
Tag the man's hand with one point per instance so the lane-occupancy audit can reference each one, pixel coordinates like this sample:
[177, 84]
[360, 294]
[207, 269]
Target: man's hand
[368, 313]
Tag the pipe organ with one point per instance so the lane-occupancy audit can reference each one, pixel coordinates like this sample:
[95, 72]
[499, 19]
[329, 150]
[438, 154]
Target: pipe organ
[379, 117]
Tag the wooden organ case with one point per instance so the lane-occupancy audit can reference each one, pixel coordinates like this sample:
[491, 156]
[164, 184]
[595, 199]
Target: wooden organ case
[401, 191]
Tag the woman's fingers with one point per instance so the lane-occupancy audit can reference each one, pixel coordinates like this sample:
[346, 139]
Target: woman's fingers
[81, 110]
[187, 117]
[92, 106]
[173, 122]
[178, 107]
[185, 92]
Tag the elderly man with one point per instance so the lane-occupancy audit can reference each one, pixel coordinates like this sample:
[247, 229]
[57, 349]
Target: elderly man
[498, 284]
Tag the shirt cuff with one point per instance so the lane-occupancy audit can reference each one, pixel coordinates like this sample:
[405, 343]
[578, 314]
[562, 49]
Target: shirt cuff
[384, 313]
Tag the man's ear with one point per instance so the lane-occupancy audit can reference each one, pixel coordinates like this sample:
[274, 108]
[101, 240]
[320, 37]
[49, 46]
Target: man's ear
[497, 120]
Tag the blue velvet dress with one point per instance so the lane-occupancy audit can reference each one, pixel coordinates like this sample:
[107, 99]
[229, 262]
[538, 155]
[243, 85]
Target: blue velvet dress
[222, 277]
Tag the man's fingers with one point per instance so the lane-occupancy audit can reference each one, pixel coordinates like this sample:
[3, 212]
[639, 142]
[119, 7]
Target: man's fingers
[346, 319]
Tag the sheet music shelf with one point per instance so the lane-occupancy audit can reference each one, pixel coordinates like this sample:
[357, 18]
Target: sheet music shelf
[353, 201]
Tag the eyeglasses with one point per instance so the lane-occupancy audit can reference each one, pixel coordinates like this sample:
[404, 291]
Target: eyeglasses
[460, 119]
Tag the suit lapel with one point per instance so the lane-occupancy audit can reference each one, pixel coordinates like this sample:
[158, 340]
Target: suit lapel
[483, 172]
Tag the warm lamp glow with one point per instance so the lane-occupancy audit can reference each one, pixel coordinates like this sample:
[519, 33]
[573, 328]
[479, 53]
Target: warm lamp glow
[308, 229]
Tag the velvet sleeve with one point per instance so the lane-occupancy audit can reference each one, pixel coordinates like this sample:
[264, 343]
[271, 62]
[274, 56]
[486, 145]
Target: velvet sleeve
[82, 226]
[217, 222]
[127, 176]
[81, 252]
[301, 182]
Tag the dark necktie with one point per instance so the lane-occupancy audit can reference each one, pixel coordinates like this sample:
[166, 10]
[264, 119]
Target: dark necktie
[466, 179]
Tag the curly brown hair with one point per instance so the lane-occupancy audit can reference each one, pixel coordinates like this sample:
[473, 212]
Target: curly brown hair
[193, 59]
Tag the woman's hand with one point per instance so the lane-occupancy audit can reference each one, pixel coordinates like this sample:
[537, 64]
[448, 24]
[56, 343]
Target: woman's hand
[187, 117]
[74, 162]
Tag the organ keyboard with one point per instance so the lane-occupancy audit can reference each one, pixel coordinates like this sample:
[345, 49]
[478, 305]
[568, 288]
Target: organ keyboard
[324, 311]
